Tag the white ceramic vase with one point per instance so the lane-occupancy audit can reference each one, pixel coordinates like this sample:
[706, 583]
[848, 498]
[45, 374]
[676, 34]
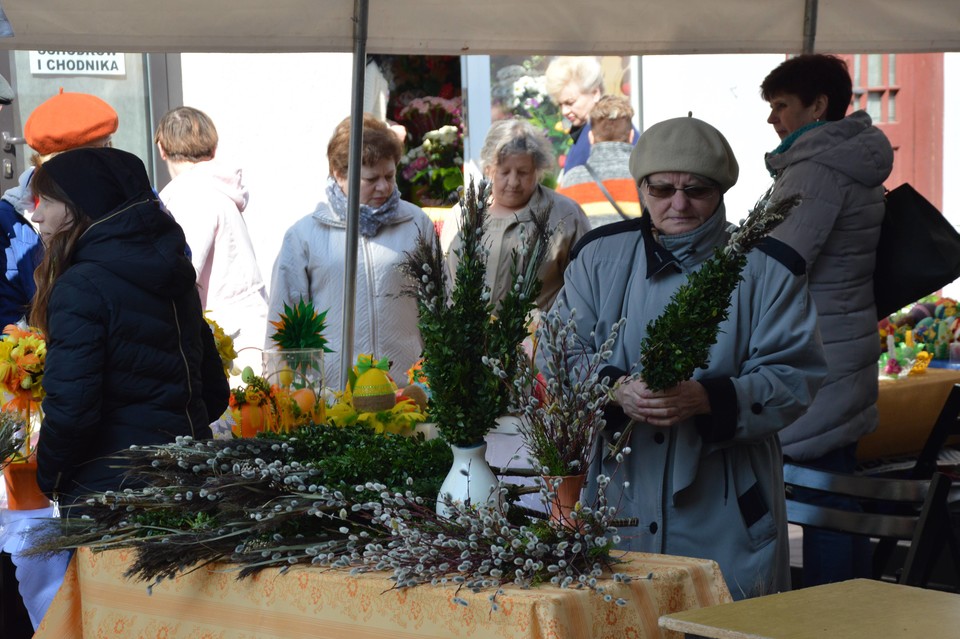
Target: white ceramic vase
[470, 480]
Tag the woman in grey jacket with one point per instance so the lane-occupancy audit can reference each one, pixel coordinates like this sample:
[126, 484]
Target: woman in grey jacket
[705, 475]
[837, 164]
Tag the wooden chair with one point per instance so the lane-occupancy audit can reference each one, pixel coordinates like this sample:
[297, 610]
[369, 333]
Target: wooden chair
[893, 509]
[947, 424]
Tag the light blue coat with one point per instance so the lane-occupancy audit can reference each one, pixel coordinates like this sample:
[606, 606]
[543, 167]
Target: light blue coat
[310, 265]
[712, 486]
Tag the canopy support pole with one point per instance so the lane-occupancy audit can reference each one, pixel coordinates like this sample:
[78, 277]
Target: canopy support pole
[809, 25]
[360, 13]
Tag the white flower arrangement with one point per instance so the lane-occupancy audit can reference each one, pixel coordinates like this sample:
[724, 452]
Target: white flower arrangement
[444, 136]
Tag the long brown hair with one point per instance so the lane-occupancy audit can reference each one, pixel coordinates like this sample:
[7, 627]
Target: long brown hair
[59, 250]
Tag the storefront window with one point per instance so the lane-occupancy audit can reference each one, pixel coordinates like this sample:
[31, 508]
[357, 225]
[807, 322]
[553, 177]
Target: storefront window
[519, 90]
[424, 97]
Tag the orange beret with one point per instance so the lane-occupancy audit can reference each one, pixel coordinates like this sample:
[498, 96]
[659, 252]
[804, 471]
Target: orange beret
[67, 121]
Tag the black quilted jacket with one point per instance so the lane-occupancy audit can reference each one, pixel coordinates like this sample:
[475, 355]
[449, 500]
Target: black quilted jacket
[130, 359]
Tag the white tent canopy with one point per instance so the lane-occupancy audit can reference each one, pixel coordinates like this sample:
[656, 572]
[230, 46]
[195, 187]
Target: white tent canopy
[490, 26]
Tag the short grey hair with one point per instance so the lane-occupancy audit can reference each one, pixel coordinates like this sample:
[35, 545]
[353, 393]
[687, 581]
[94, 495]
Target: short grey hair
[586, 72]
[516, 137]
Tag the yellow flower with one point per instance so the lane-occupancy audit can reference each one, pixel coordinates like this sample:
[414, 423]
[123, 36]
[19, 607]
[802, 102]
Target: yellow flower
[8, 372]
[23, 354]
[341, 414]
[401, 419]
[224, 344]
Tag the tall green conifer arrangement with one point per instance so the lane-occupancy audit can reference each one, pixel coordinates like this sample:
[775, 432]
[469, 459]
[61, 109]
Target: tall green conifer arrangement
[462, 330]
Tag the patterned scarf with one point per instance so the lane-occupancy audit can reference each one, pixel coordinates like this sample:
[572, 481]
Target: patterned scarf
[371, 219]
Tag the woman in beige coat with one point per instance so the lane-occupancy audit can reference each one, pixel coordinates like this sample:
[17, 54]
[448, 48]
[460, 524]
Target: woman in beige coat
[514, 156]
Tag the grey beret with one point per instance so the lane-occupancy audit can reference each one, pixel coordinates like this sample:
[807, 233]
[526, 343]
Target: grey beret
[686, 145]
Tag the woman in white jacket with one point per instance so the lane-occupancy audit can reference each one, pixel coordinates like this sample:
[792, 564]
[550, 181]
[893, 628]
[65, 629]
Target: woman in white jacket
[311, 259]
[207, 198]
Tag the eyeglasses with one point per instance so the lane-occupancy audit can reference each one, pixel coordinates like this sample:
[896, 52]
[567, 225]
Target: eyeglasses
[694, 191]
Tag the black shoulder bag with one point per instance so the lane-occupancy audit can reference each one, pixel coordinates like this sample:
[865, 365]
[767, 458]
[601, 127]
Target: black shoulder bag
[918, 253]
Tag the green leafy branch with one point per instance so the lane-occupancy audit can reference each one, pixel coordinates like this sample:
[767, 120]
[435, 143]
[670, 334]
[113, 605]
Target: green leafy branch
[678, 342]
[301, 326]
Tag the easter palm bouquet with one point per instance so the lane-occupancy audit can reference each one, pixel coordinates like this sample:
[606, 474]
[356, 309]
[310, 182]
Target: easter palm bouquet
[301, 345]
[289, 395]
[562, 406]
[678, 341]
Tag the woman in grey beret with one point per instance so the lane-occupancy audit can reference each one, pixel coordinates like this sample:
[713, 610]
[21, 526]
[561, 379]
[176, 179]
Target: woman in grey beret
[704, 475]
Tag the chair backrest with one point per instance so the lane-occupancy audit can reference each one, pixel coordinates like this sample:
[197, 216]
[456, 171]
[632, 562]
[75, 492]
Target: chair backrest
[947, 424]
[913, 510]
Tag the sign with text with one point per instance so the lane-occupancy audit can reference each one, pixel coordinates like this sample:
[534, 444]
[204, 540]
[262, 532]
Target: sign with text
[76, 63]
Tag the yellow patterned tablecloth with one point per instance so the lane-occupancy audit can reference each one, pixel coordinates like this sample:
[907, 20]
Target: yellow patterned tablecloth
[908, 408]
[96, 601]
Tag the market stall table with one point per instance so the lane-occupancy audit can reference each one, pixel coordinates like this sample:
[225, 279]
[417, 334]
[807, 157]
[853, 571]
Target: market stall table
[856, 609]
[907, 408]
[97, 601]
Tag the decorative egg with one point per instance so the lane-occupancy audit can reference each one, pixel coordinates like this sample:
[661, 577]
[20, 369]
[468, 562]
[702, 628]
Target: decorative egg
[309, 404]
[285, 376]
[374, 391]
[253, 419]
[925, 330]
[417, 393]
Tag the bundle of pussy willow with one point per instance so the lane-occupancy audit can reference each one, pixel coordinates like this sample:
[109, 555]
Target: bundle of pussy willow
[280, 502]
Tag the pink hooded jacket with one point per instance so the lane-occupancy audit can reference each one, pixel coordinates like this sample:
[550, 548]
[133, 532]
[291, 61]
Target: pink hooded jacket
[208, 200]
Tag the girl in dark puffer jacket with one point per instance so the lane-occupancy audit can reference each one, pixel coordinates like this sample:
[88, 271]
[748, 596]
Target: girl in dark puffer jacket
[130, 359]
